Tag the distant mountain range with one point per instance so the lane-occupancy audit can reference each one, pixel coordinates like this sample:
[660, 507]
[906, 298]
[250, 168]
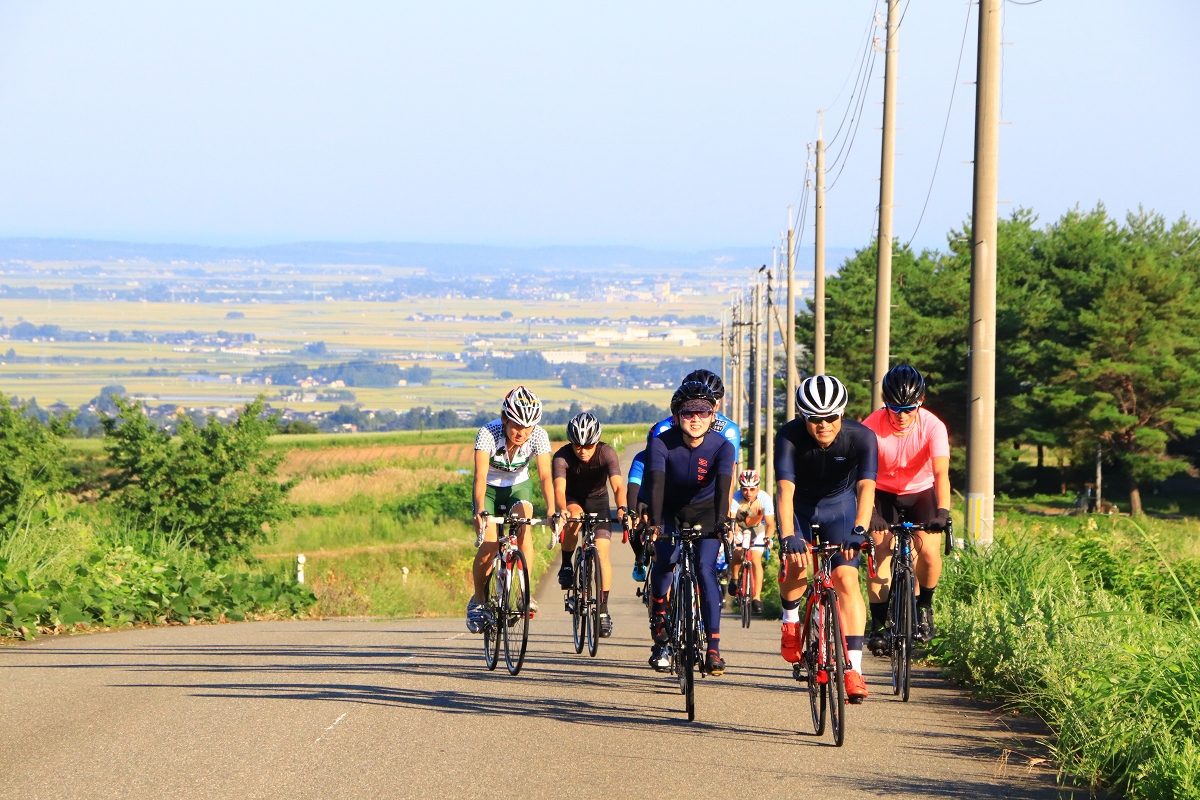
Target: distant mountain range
[456, 258]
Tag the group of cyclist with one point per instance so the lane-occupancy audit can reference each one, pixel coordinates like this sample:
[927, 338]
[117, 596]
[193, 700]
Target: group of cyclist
[850, 480]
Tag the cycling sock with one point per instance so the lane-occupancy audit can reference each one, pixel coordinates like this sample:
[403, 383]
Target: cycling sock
[566, 558]
[791, 610]
[658, 605]
[714, 643]
[854, 652]
[879, 615]
[603, 602]
[925, 598]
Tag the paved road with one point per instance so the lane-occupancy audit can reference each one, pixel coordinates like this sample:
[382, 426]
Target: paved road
[406, 709]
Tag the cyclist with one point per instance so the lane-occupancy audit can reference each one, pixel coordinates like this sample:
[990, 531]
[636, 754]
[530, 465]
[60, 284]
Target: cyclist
[825, 468]
[583, 470]
[754, 528]
[638, 506]
[913, 486]
[503, 451]
[690, 471]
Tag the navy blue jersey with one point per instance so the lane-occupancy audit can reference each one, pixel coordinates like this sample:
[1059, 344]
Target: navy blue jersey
[686, 476]
[852, 457]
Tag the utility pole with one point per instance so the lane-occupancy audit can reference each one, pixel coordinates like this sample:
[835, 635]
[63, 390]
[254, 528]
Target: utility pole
[740, 332]
[789, 336]
[769, 444]
[981, 355]
[724, 371]
[756, 376]
[819, 255]
[887, 170]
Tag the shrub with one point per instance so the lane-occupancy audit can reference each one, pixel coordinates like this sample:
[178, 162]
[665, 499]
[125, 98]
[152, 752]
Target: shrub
[31, 458]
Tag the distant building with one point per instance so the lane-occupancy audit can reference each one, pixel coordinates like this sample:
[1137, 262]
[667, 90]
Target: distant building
[565, 356]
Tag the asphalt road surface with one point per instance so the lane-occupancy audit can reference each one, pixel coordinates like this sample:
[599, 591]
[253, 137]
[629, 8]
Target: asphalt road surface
[341, 709]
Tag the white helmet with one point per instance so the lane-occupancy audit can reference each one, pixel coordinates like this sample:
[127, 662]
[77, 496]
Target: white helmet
[583, 429]
[522, 407]
[820, 396]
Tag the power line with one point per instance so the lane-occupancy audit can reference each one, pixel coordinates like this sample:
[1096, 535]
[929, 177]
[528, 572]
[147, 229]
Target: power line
[844, 153]
[858, 73]
[946, 126]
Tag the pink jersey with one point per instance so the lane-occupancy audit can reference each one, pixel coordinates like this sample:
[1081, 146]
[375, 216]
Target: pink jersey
[906, 458]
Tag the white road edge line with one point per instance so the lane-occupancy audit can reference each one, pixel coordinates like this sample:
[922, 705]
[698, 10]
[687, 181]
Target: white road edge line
[331, 727]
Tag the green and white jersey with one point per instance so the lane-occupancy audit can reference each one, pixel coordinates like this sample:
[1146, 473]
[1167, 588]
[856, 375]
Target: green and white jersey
[503, 471]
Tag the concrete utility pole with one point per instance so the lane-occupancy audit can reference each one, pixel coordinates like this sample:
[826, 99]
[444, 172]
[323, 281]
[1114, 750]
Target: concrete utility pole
[768, 483]
[739, 363]
[756, 376]
[789, 336]
[819, 255]
[981, 355]
[887, 170]
[724, 371]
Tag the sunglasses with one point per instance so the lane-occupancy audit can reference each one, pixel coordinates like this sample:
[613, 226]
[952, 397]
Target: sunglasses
[832, 418]
[696, 414]
[903, 409]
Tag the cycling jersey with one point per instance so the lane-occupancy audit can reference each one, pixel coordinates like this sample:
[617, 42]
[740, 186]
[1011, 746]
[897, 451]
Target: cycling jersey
[906, 457]
[852, 457]
[637, 468]
[721, 424]
[688, 477]
[751, 519]
[503, 470]
[586, 479]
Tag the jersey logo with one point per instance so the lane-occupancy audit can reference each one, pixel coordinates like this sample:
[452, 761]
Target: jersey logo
[839, 458]
[703, 463]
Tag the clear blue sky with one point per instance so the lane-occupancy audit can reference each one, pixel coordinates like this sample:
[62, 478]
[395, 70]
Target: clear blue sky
[673, 125]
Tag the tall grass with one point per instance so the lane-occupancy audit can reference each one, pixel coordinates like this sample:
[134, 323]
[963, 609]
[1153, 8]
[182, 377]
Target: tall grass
[1091, 626]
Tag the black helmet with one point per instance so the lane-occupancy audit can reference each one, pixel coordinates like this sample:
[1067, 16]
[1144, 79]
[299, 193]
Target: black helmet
[903, 386]
[709, 378]
[583, 429]
[692, 390]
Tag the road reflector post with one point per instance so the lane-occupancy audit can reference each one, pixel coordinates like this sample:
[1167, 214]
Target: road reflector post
[404, 574]
[300, 568]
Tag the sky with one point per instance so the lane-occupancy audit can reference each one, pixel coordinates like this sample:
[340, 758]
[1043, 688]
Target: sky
[664, 125]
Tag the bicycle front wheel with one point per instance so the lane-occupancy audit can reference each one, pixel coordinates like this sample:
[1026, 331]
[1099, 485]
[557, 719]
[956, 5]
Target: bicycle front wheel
[812, 664]
[835, 657]
[746, 589]
[578, 601]
[902, 635]
[493, 601]
[688, 644]
[516, 612]
[595, 588]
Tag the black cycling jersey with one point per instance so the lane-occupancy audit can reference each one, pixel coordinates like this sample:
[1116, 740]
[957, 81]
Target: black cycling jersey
[851, 457]
[587, 478]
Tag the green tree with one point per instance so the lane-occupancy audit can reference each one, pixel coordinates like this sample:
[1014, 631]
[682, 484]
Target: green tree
[215, 485]
[31, 458]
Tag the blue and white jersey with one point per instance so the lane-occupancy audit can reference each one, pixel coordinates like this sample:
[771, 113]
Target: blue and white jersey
[638, 468]
[722, 425]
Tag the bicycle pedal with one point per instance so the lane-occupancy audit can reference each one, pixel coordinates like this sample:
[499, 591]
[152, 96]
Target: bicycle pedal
[639, 591]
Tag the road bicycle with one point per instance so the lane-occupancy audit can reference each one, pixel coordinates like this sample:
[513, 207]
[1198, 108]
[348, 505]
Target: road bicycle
[823, 661]
[743, 592]
[506, 597]
[898, 635]
[583, 598]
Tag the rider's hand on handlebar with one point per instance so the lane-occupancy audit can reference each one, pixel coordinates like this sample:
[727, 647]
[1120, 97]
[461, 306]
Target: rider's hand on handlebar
[794, 550]
[939, 521]
[851, 549]
[655, 532]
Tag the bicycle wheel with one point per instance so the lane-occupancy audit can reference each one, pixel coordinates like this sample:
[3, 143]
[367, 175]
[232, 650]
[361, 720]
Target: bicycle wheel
[578, 594]
[516, 613]
[595, 589]
[905, 636]
[812, 664]
[688, 644]
[835, 657]
[746, 590]
[493, 601]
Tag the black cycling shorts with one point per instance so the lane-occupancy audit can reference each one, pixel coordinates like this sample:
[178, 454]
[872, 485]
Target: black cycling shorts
[917, 508]
[595, 505]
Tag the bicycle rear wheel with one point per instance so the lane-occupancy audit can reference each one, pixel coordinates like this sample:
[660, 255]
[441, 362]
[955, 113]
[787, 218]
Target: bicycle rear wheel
[493, 601]
[578, 602]
[516, 613]
[595, 592]
[812, 665]
[835, 656]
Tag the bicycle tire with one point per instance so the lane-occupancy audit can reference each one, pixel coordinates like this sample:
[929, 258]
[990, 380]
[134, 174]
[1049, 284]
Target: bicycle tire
[493, 602]
[516, 613]
[688, 644]
[836, 659]
[578, 592]
[811, 656]
[906, 637]
[595, 592]
[746, 588]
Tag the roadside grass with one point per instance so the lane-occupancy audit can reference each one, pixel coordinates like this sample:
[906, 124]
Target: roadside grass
[1090, 623]
[380, 484]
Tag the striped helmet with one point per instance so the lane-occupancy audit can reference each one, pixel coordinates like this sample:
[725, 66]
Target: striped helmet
[748, 478]
[522, 407]
[583, 429]
[821, 395]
